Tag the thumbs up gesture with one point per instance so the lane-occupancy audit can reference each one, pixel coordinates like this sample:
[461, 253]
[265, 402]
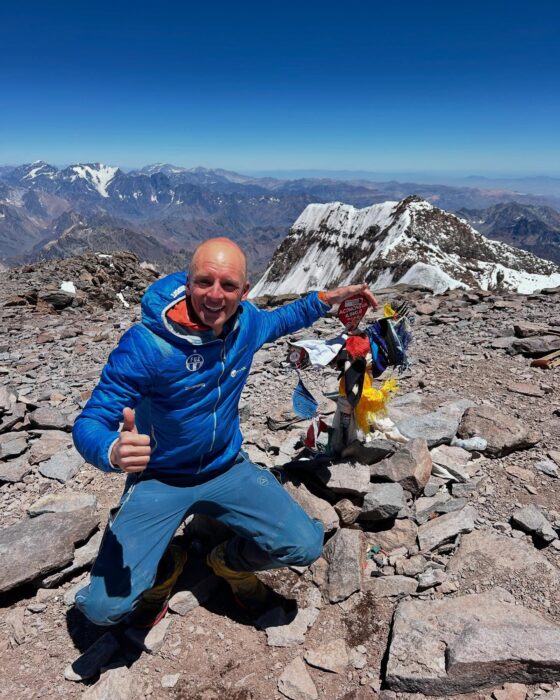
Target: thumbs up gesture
[132, 450]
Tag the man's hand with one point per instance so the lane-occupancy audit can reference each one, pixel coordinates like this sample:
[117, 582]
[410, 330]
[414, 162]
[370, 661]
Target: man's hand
[337, 296]
[132, 451]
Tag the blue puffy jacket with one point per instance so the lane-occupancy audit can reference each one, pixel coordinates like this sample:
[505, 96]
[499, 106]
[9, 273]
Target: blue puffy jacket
[185, 388]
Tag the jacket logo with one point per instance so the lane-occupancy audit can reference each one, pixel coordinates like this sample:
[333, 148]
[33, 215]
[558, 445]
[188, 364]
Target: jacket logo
[194, 362]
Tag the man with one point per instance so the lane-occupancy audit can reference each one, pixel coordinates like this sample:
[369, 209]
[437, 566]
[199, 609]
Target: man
[175, 380]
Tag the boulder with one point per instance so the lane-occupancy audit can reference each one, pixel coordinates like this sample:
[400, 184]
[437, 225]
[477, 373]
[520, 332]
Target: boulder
[436, 427]
[49, 418]
[503, 433]
[487, 559]
[461, 645]
[343, 552]
[530, 519]
[331, 656]
[115, 683]
[410, 466]
[383, 501]
[37, 546]
[386, 586]
[535, 346]
[62, 503]
[62, 466]
[14, 470]
[445, 528]
[402, 533]
[315, 507]
[345, 478]
[296, 683]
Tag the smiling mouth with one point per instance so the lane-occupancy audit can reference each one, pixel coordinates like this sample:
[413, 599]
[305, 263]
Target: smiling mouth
[209, 309]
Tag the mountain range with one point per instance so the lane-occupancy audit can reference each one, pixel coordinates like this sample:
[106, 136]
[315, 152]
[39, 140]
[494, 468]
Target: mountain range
[410, 241]
[162, 211]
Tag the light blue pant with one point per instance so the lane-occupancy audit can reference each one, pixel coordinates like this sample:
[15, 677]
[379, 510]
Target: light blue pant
[271, 531]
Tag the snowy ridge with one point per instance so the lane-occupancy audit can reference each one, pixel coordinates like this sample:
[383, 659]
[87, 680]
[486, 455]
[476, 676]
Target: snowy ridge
[98, 175]
[409, 241]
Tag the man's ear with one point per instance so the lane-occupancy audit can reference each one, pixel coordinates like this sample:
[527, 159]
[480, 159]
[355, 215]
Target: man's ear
[246, 292]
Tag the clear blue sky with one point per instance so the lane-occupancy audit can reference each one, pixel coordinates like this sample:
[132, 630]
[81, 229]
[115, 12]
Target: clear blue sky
[469, 87]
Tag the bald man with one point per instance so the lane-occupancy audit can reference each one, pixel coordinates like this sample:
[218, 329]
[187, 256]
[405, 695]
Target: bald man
[174, 381]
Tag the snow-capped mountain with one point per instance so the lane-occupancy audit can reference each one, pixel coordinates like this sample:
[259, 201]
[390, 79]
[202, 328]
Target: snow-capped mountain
[84, 178]
[410, 241]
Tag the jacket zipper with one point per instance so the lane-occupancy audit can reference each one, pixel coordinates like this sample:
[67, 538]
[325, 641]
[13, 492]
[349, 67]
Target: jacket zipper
[214, 412]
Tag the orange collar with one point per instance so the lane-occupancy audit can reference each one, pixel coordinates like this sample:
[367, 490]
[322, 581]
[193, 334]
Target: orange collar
[182, 313]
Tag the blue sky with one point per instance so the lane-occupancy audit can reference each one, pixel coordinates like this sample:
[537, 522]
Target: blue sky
[384, 87]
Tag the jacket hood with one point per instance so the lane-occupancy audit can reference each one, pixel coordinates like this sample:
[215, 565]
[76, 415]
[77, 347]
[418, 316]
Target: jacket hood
[161, 296]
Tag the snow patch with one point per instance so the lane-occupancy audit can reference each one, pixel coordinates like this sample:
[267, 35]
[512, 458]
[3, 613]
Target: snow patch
[99, 176]
[68, 287]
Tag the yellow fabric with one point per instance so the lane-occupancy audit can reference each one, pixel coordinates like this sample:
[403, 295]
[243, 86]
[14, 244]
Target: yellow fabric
[388, 311]
[373, 401]
[244, 584]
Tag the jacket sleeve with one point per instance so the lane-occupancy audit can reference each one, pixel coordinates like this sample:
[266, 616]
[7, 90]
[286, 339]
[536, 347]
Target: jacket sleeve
[125, 380]
[290, 318]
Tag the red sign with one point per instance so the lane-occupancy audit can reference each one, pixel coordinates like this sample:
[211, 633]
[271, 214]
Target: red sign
[352, 310]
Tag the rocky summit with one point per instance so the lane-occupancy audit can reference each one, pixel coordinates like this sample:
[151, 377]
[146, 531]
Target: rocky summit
[441, 566]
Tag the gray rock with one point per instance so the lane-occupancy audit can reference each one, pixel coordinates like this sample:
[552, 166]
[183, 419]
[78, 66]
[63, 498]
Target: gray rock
[402, 533]
[186, 600]
[424, 507]
[16, 415]
[331, 656]
[473, 444]
[503, 433]
[411, 567]
[346, 478]
[50, 418]
[34, 547]
[149, 640]
[315, 507]
[530, 519]
[370, 452]
[12, 444]
[343, 552]
[347, 511]
[496, 559]
[437, 427]
[431, 578]
[410, 466]
[454, 459]
[284, 630]
[83, 557]
[387, 586]
[58, 298]
[62, 466]
[295, 682]
[8, 398]
[170, 680]
[14, 470]
[462, 645]
[433, 486]
[445, 528]
[546, 466]
[114, 684]
[539, 345]
[50, 442]
[383, 501]
[62, 503]
[90, 663]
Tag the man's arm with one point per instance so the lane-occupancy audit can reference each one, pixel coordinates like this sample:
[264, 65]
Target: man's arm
[304, 312]
[125, 379]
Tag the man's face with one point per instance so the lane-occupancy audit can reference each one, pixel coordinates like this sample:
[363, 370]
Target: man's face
[216, 286]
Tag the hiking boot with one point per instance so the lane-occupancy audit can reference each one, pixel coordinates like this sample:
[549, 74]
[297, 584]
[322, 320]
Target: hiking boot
[154, 602]
[249, 593]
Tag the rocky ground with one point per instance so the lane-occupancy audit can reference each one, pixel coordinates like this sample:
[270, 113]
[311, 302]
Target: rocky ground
[440, 574]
